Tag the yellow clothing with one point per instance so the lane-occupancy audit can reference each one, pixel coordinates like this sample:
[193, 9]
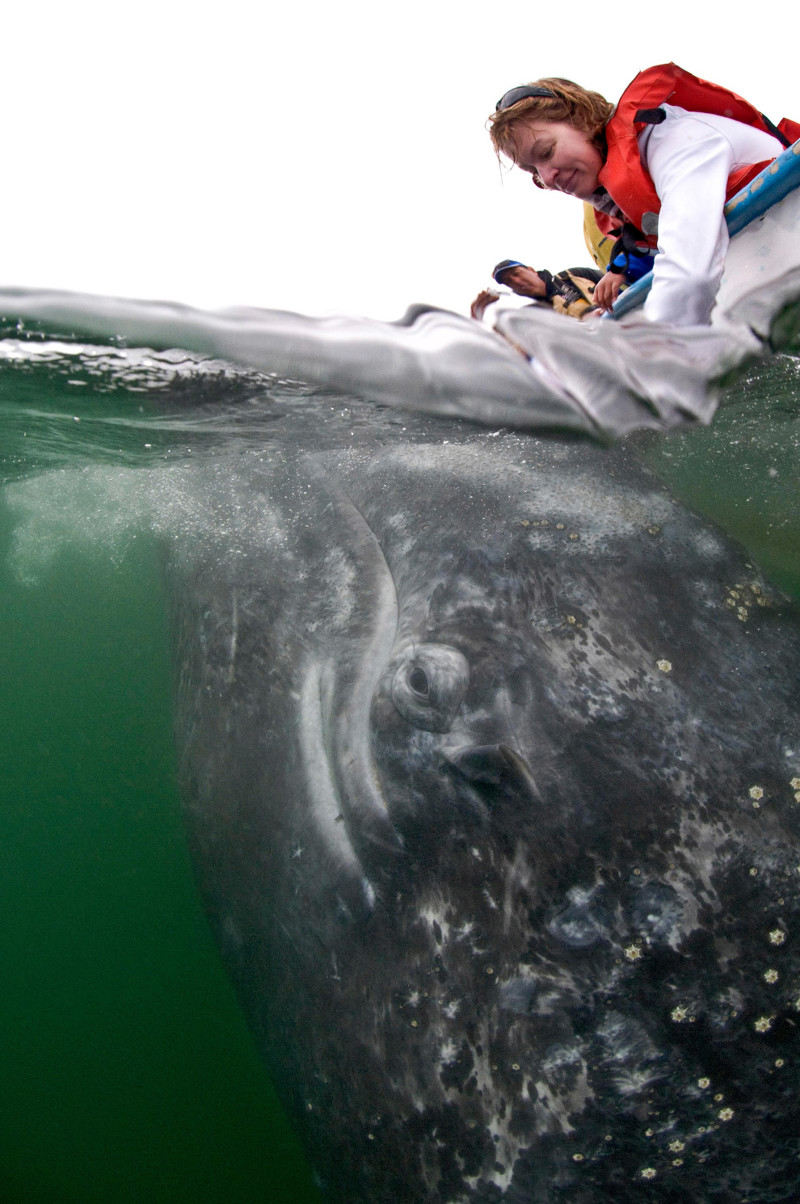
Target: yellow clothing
[562, 293]
[600, 246]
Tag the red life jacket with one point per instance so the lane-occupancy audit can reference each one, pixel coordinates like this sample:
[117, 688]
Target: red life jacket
[625, 178]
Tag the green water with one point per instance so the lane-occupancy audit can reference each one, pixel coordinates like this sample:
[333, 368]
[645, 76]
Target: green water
[128, 1072]
[742, 470]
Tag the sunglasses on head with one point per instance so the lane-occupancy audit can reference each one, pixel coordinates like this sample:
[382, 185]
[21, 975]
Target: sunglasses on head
[523, 92]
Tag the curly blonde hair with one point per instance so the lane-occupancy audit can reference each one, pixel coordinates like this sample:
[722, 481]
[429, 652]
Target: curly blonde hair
[586, 111]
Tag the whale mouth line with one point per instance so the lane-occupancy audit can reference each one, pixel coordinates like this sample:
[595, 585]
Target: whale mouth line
[347, 685]
[323, 789]
[349, 807]
[353, 772]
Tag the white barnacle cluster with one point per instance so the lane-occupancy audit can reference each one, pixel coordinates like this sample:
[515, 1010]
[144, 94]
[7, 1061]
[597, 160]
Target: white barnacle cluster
[742, 598]
[544, 532]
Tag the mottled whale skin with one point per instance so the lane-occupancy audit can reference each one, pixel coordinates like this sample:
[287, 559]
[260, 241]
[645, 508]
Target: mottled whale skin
[491, 762]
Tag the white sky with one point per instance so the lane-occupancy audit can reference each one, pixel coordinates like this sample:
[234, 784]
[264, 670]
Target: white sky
[318, 156]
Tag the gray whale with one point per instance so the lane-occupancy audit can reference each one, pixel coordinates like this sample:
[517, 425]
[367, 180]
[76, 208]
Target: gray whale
[491, 762]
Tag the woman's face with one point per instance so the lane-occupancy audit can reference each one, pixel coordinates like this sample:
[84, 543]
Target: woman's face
[564, 158]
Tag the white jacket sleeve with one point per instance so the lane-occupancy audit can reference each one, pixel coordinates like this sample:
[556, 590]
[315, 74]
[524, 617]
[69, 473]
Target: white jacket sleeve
[689, 157]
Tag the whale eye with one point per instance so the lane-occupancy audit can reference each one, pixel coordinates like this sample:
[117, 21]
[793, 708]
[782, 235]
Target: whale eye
[418, 680]
[429, 685]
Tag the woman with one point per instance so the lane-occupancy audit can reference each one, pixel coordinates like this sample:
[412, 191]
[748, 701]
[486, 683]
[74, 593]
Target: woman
[657, 169]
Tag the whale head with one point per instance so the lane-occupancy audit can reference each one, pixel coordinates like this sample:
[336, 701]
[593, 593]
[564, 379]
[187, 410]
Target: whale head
[494, 814]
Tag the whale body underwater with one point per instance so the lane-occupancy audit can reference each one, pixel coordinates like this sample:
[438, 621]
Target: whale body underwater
[491, 766]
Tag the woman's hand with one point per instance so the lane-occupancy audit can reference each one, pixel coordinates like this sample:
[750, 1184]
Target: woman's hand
[482, 302]
[606, 290]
